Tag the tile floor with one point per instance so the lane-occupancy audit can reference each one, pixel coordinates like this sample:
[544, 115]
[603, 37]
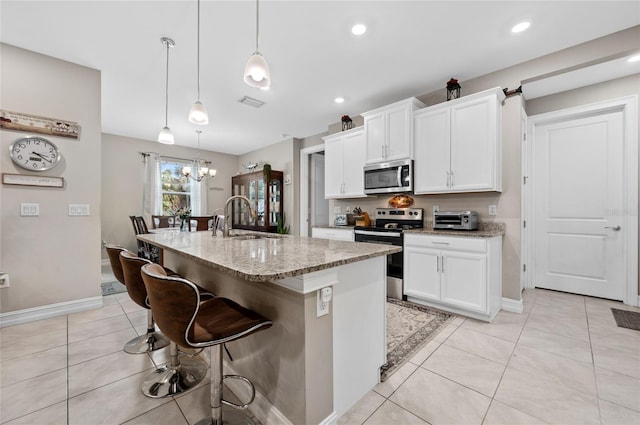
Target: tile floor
[563, 361]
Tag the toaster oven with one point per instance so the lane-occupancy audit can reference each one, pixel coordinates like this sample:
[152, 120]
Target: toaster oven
[455, 220]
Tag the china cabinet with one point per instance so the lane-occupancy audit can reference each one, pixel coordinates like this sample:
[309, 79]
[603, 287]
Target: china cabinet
[265, 197]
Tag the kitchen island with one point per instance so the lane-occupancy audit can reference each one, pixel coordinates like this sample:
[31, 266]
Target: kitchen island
[309, 367]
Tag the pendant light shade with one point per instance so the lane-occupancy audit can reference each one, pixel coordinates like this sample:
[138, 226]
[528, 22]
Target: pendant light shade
[198, 114]
[256, 71]
[166, 135]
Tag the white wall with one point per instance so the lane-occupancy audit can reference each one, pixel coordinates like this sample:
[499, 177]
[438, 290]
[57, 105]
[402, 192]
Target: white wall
[51, 258]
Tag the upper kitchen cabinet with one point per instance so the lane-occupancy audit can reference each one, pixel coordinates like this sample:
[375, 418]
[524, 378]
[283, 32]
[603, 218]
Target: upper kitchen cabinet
[344, 157]
[265, 193]
[457, 145]
[389, 131]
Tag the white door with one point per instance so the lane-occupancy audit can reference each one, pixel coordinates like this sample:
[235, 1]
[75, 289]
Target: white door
[422, 273]
[431, 163]
[578, 183]
[464, 280]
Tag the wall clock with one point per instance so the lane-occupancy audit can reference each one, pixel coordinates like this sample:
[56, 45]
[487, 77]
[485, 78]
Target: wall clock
[34, 153]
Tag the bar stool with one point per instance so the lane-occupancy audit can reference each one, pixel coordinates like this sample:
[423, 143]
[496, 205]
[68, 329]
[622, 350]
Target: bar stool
[179, 375]
[186, 321]
[152, 340]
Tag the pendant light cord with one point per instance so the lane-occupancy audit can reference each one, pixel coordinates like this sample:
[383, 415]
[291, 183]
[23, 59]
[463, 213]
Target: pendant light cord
[166, 91]
[198, 55]
[257, 22]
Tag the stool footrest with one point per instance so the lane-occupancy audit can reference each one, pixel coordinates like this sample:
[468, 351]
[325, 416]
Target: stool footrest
[251, 386]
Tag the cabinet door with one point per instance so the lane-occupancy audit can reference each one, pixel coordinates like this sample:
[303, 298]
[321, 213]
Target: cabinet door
[374, 128]
[431, 151]
[473, 145]
[354, 150]
[464, 280]
[398, 122]
[333, 165]
[421, 273]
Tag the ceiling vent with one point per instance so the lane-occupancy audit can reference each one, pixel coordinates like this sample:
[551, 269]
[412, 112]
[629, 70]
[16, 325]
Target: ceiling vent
[249, 101]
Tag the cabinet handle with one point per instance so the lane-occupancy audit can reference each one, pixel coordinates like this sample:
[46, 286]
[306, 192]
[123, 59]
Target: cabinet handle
[448, 179]
[440, 243]
[382, 147]
[452, 179]
[616, 228]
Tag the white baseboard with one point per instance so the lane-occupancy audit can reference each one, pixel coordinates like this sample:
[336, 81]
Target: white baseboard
[47, 311]
[512, 306]
[332, 419]
[261, 406]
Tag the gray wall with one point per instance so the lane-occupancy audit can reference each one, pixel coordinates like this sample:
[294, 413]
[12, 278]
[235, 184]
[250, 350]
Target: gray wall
[123, 174]
[51, 258]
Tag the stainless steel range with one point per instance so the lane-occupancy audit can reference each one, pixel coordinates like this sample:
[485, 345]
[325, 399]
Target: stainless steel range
[388, 229]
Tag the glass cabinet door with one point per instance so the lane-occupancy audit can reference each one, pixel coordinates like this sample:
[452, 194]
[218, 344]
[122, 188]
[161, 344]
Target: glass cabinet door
[266, 200]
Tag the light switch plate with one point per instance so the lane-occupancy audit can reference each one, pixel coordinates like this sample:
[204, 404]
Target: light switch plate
[493, 210]
[436, 208]
[78, 209]
[29, 210]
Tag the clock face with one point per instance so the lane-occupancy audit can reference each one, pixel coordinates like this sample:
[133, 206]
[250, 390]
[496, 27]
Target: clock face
[34, 153]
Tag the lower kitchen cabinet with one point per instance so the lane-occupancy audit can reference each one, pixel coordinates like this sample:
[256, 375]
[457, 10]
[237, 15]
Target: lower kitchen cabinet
[458, 274]
[345, 234]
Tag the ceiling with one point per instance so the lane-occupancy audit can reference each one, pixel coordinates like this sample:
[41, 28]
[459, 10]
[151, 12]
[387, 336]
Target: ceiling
[410, 48]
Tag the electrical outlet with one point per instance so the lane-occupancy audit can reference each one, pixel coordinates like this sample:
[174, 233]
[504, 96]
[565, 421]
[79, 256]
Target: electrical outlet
[436, 208]
[323, 298]
[493, 210]
[4, 280]
[347, 210]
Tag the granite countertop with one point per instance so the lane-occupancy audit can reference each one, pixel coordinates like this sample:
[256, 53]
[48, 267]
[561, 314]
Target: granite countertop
[271, 257]
[485, 230]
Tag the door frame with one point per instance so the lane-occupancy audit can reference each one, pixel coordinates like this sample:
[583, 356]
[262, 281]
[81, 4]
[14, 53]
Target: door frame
[628, 105]
[304, 186]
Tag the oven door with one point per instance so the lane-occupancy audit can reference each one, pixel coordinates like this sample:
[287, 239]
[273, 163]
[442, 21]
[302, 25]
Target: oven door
[394, 261]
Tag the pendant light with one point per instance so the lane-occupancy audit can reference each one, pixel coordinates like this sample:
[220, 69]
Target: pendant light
[166, 135]
[256, 71]
[198, 113]
[203, 170]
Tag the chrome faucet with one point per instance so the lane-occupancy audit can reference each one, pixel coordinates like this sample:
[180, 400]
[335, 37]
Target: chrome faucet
[227, 214]
[216, 220]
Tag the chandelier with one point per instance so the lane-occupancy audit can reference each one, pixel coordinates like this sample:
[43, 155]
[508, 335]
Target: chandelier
[203, 170]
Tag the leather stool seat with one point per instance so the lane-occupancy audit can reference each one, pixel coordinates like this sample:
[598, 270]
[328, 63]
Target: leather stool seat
[188, 322]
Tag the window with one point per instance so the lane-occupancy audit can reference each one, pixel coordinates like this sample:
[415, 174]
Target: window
[166, 190]
[175, 188]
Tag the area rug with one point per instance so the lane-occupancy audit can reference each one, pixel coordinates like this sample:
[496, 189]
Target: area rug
[626, 319]
[409, 328]
[110, 288]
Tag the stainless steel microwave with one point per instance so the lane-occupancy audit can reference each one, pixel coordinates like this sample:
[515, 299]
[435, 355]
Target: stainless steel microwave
[388, 177]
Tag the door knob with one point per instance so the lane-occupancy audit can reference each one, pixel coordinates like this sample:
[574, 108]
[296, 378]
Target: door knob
[616, 228]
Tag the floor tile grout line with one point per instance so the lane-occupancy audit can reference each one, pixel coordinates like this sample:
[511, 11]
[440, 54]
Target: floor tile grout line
[515, 346]
[593, 366]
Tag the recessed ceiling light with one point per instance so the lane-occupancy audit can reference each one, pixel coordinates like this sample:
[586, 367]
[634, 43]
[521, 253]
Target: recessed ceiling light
[635, 58]
[520, 27]
[339, 99]
[358, 29]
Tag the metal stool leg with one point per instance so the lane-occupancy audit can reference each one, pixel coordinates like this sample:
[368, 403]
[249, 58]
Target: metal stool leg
[174, 378]
[231, 417]
[151, 341]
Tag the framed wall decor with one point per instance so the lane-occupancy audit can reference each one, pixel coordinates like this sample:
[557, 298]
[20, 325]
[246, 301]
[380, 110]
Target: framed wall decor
[29, 180]
[18, 121]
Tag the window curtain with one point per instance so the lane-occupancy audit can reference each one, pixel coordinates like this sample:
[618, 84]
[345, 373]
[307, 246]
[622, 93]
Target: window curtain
[198, 193]
[152, 193]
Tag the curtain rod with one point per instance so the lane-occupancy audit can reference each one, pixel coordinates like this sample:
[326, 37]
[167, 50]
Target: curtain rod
[146, 154]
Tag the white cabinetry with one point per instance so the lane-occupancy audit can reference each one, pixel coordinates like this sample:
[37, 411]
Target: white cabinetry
[457, 145]
[457, 274]
[339, 234]
[344, 157]
[389, 131]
